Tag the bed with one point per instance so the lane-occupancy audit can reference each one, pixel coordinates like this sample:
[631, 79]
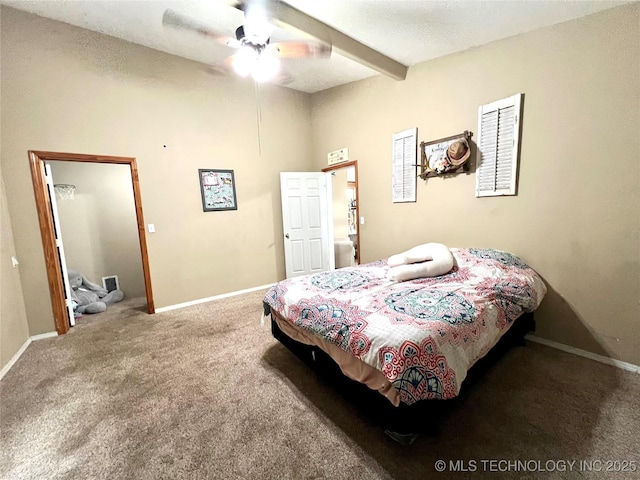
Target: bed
[411, 341]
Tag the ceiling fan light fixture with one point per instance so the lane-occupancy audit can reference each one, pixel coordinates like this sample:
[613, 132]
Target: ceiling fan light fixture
[266, 67]
[245, 60]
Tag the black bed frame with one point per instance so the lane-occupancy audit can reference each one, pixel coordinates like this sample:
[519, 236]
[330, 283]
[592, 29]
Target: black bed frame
[400, 423]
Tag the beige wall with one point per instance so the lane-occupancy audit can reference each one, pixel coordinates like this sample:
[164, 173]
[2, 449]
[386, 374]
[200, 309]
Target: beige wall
[99, 226]
[70, 90]
[14, 330]
[576, 216]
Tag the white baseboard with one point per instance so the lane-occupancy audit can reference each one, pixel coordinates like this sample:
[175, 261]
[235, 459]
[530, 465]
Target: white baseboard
[584, 353]
[21, 350]
[42, 336]
[211, 299]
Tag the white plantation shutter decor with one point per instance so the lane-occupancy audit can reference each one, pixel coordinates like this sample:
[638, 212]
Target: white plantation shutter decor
[498, 147]
[405, 158]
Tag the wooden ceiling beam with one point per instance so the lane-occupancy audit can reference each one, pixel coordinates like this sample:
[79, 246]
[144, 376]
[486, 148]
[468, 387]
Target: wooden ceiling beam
[286, 16]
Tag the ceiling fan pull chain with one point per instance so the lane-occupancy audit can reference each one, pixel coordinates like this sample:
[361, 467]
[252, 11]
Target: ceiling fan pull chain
[258, 115]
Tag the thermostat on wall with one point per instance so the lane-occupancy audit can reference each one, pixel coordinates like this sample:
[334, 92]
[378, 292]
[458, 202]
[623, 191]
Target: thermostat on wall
[339, 156]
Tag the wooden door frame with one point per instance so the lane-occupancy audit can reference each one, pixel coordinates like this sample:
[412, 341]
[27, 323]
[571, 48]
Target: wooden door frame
[37, 161]
[354, 164]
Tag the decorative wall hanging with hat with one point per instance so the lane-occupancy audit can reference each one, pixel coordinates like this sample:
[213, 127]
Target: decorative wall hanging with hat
[445, 155]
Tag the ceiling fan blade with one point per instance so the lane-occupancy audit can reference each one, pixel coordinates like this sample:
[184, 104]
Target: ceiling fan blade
[283, 78]
[300, 49]
[173, 19]
[216, 69]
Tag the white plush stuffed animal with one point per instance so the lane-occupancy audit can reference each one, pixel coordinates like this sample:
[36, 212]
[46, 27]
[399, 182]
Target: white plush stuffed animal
[90, 297]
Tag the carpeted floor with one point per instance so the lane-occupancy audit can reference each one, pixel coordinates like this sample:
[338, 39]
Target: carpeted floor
[206, 393]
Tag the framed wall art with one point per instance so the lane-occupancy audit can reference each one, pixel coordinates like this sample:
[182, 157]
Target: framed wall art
[218, 189]
[445, 155]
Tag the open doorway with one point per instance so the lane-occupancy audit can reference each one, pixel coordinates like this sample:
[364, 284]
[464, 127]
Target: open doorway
[346, 210]
[44, 207]
[99, 233]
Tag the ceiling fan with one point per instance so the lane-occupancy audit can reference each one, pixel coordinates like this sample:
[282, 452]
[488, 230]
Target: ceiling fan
[256, 56]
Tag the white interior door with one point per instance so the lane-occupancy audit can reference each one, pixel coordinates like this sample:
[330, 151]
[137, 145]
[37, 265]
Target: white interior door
[59, 246]
[307, 220]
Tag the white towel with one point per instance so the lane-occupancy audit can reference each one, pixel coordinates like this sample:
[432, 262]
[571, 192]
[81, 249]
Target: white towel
[428, 260]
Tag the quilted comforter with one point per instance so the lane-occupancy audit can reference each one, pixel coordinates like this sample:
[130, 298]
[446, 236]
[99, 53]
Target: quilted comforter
[423, 334]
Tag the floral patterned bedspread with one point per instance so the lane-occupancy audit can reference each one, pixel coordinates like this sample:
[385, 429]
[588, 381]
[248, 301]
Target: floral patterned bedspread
[423, 334]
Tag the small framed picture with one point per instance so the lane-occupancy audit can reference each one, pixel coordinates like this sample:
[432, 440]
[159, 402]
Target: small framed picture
[218, 189]
[111, 283]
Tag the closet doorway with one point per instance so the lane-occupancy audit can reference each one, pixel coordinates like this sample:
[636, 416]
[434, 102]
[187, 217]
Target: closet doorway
[53, 261]
[346, 212]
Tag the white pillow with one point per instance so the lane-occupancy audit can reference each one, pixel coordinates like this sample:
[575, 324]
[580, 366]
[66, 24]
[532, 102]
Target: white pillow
[441, 263]
[421, 253]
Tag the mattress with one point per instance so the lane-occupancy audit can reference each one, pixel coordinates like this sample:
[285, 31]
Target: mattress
[422, 335]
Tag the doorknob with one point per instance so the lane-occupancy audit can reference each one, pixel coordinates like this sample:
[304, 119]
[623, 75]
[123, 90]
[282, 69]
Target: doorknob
[286, 235]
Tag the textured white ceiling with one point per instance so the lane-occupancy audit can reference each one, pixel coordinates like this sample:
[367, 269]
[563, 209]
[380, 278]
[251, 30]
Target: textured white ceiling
[409, 31]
